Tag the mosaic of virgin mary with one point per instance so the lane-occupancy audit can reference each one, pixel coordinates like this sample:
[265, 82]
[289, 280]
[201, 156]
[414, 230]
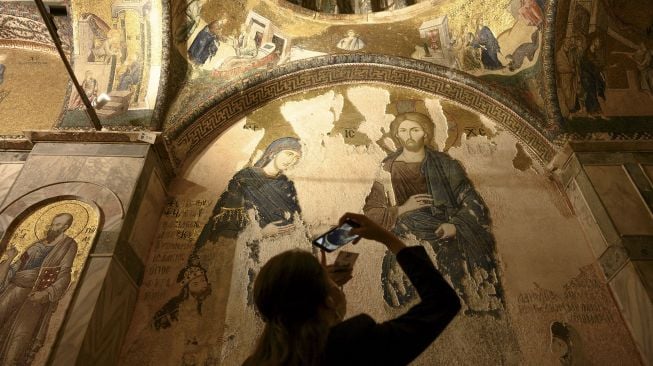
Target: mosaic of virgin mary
[260, 193]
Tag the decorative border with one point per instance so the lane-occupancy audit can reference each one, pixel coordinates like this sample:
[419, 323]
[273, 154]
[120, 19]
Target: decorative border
[30, 14]
[201, 125]
[28, 45]
[551, 106]
[158, 115]
[402, 14]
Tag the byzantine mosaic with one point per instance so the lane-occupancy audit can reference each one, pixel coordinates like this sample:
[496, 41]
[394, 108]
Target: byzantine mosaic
[336, 149]
[223, 42]
[44, 254]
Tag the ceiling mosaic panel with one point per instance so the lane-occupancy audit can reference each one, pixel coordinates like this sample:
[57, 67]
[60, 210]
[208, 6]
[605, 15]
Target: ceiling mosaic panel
[603, 62]
[223, 42]
[186, 139]
[117, 52]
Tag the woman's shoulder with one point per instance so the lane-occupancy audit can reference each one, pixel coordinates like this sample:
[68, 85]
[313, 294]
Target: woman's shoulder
[351, 328]
[350, 340]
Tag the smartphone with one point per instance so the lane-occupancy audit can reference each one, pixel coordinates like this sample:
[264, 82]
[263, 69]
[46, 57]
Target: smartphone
[336, 237]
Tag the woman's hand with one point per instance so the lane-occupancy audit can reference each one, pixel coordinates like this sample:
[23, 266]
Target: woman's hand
[369, 229]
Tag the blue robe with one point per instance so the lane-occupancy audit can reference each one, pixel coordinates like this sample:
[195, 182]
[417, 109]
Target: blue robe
[204, 46]
[273, 199]
[455, 201]
[490, 49]
[591, 78]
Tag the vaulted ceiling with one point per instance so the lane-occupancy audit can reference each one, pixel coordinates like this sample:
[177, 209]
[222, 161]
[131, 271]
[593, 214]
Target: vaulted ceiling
[191, 68]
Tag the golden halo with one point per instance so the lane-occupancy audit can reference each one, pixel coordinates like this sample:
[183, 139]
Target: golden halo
[80, 218]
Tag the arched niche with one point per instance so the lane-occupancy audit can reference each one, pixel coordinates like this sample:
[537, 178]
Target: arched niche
[214, 234]
[106, 201]
[197, 127]
[45, 251]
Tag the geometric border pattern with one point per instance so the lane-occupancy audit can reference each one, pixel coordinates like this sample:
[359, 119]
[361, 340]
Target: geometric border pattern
[548, 64]
[198, 127]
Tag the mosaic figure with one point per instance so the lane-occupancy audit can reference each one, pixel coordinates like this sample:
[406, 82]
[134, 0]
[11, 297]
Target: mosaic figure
[351, 42]
[188, 14]
[487, 42]
[30, 289]
[643, 57]
[206, 43]
[194, 286]
[591, 76]
[431, 198]
[566, 344]
[531, 11]
[567, 64]
[2, 68]
[261, 192]
[90, 87]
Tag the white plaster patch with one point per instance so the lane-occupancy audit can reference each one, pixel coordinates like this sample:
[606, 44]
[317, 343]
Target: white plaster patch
[371, 102]
[231, 152]
[441, 126]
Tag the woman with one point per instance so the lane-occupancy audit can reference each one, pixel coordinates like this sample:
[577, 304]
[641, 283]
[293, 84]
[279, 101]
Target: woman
[302, 310]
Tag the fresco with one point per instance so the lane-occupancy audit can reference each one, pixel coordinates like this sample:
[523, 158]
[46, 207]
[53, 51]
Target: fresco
[604, 62]
[351, 7]
[438, 174]
[44, 257]
[500, 42]
[117, 51]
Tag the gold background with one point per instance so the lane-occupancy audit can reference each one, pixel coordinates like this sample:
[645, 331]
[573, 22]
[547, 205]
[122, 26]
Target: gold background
[35, 226]
[37, 83]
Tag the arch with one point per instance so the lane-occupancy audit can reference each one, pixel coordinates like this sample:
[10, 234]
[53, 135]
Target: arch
[198, 127]
[340, 19]
[107, 202]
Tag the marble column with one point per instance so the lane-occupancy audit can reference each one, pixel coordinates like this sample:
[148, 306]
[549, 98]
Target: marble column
[609, 185]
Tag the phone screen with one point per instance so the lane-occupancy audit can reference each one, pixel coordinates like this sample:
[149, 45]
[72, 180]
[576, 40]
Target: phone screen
[337, 237]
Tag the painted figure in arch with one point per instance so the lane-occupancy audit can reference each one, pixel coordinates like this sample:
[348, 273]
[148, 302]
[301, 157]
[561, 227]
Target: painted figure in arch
[591, 76]
[568, 75]
[351, 42]
[566, 344]
[188, 15]
[643, 58]
[195, 287]
[30, 288]
[206, 43]
[487, 42]
[260, 194]
[2, 68]
[90, 87]
[427, 194]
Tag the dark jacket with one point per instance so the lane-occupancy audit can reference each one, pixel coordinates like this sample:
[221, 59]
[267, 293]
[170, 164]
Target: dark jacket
[362, 341]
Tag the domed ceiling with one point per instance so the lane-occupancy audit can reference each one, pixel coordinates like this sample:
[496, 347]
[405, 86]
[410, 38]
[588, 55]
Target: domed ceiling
[570, 68]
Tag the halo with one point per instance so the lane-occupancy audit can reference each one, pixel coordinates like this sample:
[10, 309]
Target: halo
[80, 214]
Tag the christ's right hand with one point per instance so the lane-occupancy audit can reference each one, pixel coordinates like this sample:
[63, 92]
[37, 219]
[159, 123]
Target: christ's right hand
[415, 202]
